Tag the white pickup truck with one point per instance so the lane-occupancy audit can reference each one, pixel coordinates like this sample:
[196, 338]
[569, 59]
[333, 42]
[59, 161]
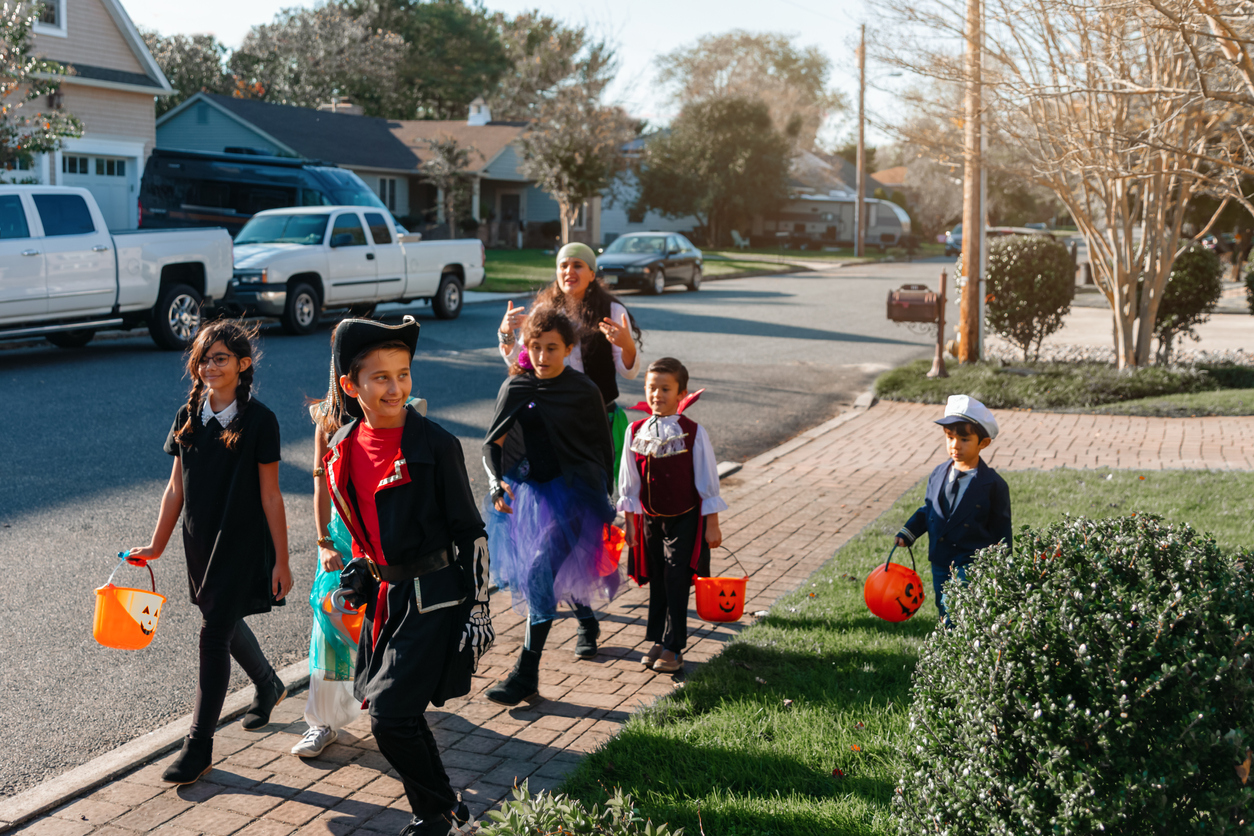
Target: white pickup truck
[293, 263]
[64, 276]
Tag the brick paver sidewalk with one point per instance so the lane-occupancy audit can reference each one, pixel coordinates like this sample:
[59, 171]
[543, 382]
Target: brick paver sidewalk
[790, 509]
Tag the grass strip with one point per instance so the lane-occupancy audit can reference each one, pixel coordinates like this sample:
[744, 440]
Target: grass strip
[727, 746]
[1189, 405]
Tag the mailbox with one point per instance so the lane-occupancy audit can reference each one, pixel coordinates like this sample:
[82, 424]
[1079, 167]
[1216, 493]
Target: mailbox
[912, 303]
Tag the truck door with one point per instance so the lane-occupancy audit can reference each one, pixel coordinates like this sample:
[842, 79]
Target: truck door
[78, 255]
[389, 259]
[23, 289]
[351, 261]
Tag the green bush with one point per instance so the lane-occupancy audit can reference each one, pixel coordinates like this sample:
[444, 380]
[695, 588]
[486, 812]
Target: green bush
[1098, 678]
[546, 814]
[1192, 292]
[1029, 287]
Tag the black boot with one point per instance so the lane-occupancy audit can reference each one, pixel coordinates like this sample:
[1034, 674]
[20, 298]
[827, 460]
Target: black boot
[268, 696]
[523, 683]
[195, 759]
[586, 638]
[439, 826]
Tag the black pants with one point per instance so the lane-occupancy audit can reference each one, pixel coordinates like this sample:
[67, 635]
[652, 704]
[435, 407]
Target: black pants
[220, 641]
[409, 746]
[668, 545]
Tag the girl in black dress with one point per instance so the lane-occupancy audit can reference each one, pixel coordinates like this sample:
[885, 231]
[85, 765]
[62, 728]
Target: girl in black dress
[225, 482]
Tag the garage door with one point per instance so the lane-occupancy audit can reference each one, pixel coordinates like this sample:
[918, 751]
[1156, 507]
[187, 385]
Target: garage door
[109, 181]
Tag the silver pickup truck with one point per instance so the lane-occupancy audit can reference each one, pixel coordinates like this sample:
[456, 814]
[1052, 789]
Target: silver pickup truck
[64, 276]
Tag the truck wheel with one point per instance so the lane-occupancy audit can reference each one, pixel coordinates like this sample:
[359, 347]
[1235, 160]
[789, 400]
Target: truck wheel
[175, 318]
[71, 339]
[302, 311]
[447, 302]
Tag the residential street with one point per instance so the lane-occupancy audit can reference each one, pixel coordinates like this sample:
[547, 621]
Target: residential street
[778, 354]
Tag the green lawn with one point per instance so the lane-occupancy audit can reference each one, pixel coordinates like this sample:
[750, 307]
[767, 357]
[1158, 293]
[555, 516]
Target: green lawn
[508, 271]
[729, 748]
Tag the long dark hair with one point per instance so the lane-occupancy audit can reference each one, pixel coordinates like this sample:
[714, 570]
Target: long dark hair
[241, 340]
[596, 297]
[544, 318]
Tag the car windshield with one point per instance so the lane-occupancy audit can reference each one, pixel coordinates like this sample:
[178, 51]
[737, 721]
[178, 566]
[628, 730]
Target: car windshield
[347, 188]
[638, 245]
[283, 229]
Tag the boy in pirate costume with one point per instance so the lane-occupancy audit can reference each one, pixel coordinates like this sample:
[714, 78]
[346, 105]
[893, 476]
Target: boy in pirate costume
[420, 560]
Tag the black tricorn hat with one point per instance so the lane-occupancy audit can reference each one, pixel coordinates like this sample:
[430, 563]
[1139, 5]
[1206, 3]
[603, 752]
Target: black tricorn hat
[352, 337]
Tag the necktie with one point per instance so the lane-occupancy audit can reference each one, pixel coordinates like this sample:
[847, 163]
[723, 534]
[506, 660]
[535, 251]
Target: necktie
[949, 496]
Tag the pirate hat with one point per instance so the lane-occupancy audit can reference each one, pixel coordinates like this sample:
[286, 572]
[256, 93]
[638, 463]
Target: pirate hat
[351, 338]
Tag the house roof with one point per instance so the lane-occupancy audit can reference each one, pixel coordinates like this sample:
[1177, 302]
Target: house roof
[489, 140]
[891, 178]
[152, 80]
[814, 172]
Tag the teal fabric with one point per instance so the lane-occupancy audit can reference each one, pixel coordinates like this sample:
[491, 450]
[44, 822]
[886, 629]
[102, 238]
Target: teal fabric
[329, 652]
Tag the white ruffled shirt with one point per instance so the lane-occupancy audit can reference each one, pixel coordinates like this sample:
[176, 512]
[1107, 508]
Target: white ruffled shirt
[575, 360]
[224, 417]
[662, 436]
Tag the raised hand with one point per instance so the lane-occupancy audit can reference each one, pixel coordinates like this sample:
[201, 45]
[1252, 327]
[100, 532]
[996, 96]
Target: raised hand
[513, 319]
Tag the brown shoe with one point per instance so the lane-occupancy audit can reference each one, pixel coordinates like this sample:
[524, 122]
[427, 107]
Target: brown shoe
[652, 656]
[671, 665]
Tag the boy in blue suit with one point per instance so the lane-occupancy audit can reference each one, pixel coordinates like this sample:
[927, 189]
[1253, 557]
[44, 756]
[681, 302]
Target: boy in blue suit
[967, 506]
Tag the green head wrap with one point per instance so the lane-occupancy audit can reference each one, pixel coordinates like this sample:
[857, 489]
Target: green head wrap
[580, 251]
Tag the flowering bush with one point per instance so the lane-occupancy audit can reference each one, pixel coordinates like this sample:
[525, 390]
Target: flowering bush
[1098, 678]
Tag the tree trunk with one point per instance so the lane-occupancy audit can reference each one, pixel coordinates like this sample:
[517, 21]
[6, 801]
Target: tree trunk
[567, 221]
[448, 216]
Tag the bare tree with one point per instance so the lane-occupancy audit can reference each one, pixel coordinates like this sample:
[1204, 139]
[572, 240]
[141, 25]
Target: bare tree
[25, 130]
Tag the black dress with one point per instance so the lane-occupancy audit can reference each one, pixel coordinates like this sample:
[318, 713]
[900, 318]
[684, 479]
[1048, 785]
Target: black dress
[230, 555]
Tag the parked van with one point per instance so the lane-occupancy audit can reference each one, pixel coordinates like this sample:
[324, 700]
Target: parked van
[827, 220]
[197, 188]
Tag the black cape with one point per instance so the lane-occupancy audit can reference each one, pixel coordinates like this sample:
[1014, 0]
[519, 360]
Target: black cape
[572, 406]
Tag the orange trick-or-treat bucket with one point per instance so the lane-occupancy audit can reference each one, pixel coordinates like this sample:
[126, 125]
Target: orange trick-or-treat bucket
[347, 624]
[721, 599]
[612, 541]
[126, 618]
[892, 591]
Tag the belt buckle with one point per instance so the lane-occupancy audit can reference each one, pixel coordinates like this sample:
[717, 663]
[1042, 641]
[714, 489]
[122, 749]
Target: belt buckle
[374, 568]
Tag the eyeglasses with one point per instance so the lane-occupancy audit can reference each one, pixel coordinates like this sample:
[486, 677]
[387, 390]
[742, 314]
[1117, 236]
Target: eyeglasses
[216, 360]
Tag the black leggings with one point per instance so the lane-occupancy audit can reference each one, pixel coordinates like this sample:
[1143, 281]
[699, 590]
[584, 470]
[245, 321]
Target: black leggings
[219, 642]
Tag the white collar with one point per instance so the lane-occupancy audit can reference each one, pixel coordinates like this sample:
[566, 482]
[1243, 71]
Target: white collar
[659, 436]
[223, 418]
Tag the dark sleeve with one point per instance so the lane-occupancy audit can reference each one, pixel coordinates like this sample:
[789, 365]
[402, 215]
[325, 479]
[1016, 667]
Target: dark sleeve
[915, 526]
[267, 438]
[180, 418]
[999, 513]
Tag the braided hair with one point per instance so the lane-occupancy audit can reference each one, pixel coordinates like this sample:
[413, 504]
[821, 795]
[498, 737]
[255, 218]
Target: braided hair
[240, 339]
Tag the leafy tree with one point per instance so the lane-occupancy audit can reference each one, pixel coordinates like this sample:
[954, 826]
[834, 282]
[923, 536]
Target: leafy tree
[722, 160]
[546, 55]
[1192, 292]
[192, 63]
[573, 149]
[766, 67]
[25, 132]
[446, 170]
[1030, 282]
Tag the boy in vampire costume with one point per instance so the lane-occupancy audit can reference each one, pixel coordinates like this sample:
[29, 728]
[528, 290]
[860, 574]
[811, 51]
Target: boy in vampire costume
[420, 559]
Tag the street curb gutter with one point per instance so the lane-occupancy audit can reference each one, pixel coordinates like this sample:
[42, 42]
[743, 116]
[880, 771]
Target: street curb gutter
[56, 792]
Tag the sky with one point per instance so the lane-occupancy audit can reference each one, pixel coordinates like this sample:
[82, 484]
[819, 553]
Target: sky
[641, 29]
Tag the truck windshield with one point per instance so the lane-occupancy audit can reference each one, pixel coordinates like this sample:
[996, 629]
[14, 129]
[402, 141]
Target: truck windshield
[283, 229]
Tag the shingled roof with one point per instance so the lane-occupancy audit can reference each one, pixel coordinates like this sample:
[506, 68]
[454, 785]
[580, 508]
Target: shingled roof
[488, 140]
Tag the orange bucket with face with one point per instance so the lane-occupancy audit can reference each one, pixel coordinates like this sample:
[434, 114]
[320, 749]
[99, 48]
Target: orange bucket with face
[126, 618]
[721, 599]
[892, 591]
[346, 620]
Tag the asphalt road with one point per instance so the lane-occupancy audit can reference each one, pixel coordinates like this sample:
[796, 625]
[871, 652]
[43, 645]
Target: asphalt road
[82, 470]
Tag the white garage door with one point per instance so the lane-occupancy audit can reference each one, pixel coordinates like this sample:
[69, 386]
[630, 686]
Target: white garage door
[109, 181]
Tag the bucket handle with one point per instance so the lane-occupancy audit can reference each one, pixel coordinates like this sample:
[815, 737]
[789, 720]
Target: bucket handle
[890, 558]
[738, 563]
[121, 562]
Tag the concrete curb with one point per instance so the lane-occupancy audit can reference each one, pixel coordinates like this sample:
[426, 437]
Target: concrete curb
[61, 789]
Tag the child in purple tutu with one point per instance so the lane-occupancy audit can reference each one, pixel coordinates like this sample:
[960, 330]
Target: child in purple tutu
[549, 457]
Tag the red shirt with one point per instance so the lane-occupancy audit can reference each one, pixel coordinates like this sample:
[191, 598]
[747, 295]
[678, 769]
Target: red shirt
[371, 454]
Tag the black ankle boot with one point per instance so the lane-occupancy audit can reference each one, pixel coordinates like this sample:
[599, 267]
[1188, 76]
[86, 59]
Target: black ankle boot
[195, 759]
[586, 638]
[523, 683]
[268, 696]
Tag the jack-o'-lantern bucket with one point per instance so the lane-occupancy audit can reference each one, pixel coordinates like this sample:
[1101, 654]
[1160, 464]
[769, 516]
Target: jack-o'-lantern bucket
[892, 591]
[346, 620]
[126, 618]
[613, 540]
[721, 599]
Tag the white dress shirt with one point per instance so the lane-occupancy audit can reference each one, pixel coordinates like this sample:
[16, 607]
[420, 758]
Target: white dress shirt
[662, 435]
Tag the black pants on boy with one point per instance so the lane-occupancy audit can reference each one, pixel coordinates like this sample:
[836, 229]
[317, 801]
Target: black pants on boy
[407, 744]
[220, 641]
[668, 545]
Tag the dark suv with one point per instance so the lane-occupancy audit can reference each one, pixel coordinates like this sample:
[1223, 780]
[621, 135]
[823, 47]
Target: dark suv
[196, 188]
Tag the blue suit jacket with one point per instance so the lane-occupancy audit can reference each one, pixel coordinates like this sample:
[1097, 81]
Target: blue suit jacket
[981, 519]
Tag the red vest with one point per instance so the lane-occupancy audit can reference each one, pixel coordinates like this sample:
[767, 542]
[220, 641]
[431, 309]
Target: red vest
[667, 485]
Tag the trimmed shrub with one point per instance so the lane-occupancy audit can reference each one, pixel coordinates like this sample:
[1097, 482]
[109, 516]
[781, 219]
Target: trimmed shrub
[547, 814]
[1192, 292]
[1028, 289]
[1098, 678]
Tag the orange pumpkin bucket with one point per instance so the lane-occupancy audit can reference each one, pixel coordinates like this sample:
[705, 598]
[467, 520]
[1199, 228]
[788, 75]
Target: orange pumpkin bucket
[892, 591]
[612, 541]
[126, 618]
[346, 620]
[721, 599]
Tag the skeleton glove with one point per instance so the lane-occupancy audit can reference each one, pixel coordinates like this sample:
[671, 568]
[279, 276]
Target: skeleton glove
[478, 633]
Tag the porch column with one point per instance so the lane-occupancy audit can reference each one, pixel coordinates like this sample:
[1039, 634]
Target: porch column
[474, 198]
[439, 206]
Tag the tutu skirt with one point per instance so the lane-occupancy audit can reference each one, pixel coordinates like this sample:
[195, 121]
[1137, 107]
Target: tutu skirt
[554, 548]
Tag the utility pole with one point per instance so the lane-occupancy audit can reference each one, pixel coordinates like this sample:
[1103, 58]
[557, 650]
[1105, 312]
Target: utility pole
[859, 204]
[972, 210]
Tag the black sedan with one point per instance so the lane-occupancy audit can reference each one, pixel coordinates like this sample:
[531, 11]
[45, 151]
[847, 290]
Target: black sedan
[651, 261]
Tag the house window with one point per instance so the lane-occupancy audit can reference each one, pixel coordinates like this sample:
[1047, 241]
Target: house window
[51, 20]
[74, 165]
[110, 168]
[17, 165]
[580, 220]
[387, 192]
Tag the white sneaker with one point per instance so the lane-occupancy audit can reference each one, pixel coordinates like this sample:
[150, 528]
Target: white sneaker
[314, 741]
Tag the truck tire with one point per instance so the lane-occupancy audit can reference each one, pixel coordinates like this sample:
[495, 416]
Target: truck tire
[71, 339]
[175, 319]
[302, 311]
[447, 302]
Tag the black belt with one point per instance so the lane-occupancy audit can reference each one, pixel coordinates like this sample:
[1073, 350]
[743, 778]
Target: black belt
[425, 565]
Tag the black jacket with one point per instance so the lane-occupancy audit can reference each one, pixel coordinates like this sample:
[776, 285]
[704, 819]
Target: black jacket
[981, 519]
